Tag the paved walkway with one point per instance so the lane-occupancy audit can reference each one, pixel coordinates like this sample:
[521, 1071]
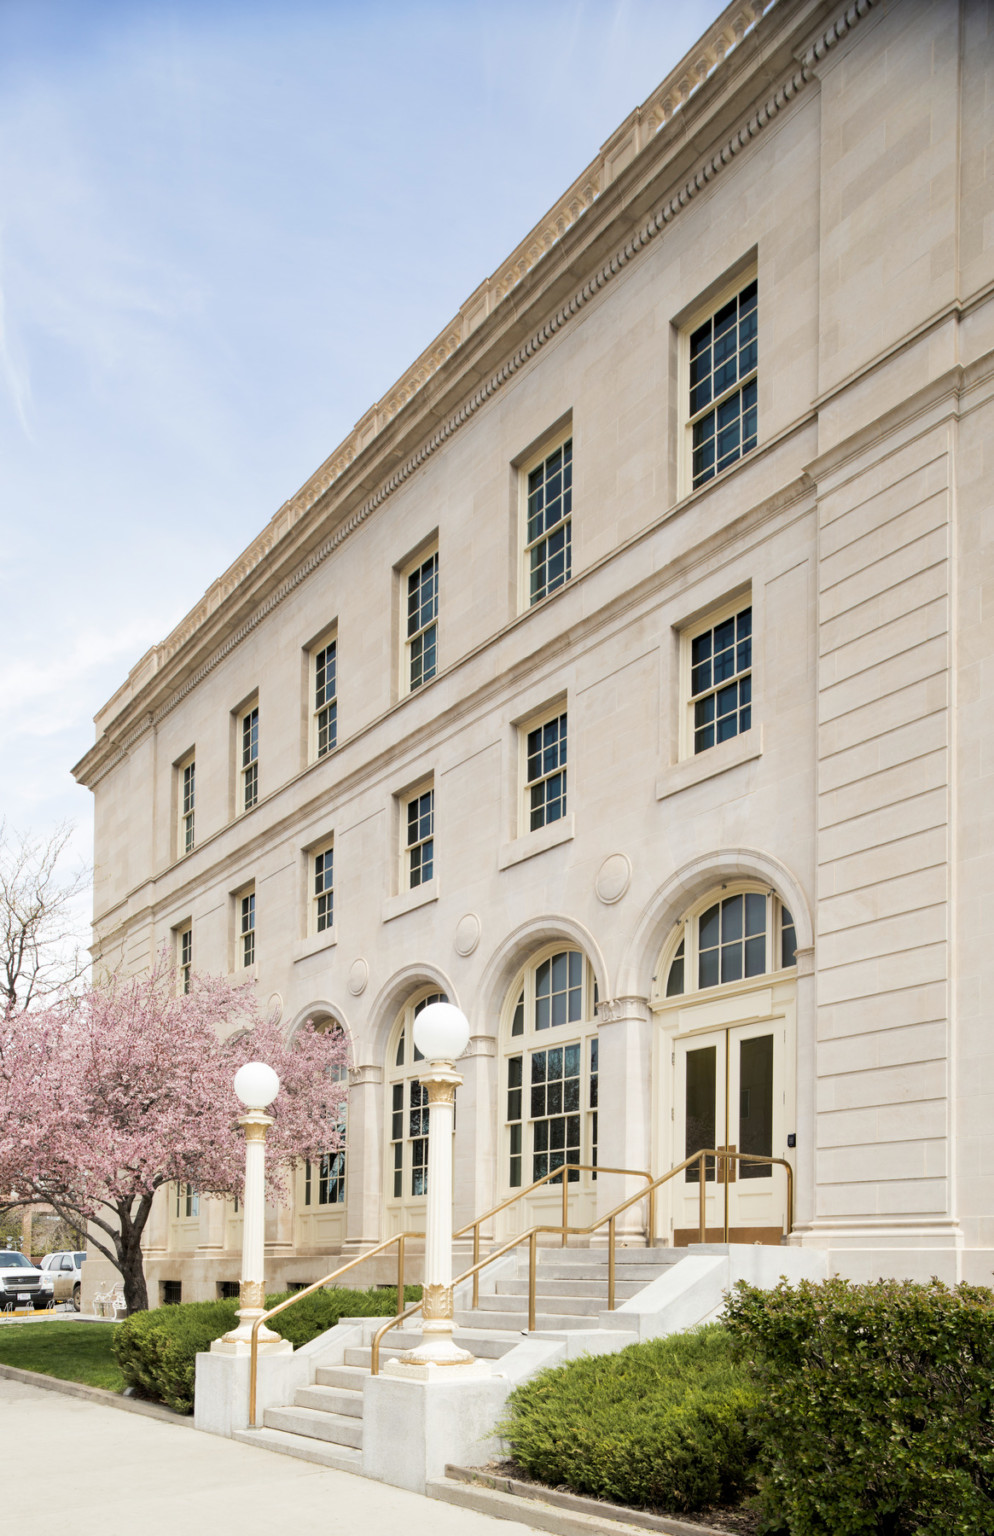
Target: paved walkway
[107, 1472]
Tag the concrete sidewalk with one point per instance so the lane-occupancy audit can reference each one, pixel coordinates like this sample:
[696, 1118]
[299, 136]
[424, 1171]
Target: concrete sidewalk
[109, 1472]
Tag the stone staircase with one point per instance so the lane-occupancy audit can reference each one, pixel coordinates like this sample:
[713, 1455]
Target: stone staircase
[324, 1422]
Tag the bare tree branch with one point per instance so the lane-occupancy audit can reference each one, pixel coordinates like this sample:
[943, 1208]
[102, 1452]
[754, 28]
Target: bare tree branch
[41, 943]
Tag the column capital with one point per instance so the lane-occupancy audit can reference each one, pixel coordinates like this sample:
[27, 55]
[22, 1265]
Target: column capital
[617, 1009]
[359, 1077]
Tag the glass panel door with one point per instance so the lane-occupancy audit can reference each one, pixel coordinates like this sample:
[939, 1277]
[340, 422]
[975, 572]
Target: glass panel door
[729, 1093]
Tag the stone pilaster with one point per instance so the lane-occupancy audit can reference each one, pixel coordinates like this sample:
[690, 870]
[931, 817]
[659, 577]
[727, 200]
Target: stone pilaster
[624, 1033]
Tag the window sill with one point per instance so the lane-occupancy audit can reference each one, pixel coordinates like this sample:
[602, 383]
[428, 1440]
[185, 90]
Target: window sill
[694, 770]
[531, 843]
[314, 943]
[243, 973]
[409, 901]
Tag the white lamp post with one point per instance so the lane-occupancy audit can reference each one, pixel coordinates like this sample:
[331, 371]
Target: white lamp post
[441, 1033]
[257, 1086]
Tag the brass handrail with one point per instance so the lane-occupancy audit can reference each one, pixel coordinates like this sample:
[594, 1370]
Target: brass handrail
[474, 1226]
[531, 1235]
[400, 1238]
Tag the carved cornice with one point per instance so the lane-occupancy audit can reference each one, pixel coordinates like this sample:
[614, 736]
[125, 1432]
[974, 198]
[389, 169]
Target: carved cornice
[359, 1077]
[693, 70]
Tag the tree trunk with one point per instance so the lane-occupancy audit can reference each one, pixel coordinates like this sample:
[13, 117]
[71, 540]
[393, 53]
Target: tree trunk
[129, 1254]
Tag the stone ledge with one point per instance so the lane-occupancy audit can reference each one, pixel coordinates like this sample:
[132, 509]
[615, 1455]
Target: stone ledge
[707, 765]
[97, 1395]
[531, 843]
[549, 1509]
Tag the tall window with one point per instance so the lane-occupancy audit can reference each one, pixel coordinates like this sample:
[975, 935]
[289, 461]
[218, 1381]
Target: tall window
[324, 1177]
[408, 1108]
[246, 928]
[723, 386]
[545, 771]
[187, 795]
[551, 1070]
[422, 622]
[184, 939]
[549, 508]
[250, 757]
[721, 679]
[731, 937]
[324, 890]
[326, 698]
[419, 848]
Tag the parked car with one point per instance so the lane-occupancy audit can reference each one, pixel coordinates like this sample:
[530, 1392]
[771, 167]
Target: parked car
[21, 1282]
[66, 1271]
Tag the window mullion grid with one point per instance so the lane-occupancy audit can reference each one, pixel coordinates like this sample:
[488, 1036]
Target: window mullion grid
[326, 698]
[422, 622]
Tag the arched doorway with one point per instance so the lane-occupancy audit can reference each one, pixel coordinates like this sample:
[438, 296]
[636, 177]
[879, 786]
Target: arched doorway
[406, 1159]
[725, 1006]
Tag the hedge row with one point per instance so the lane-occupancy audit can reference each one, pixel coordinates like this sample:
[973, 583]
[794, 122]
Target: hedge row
[157, 1350]
[664, 1423]
[875, 1406]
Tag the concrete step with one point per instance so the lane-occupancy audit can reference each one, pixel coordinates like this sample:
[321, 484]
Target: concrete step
[315, 1424]
[591, 1289]
[343, 1458]
[350, 1377]
[344, 1400]
[640, 1274]
[485, 1342]
[500, 1305]
[599, 1256]
[517, 1322]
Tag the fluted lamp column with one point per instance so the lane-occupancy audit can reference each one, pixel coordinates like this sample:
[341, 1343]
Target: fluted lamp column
[441, 1034]
[257, 1085]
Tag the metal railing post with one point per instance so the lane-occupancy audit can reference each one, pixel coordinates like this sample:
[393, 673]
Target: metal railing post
[702, 1196]
[610, 1264]
[565, 1203]
[400, 1273]
[476, 1260]
[532, 1258]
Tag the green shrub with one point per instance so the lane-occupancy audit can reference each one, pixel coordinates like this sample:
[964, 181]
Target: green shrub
[876, 1406]
[157, 1350]
[663, 1423]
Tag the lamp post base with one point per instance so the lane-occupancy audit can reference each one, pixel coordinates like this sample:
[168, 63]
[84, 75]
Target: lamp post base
[239, 1340]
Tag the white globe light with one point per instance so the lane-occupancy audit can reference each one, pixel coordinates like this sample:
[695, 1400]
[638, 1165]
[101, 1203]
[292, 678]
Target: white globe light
[441, 1032]
[256, 1084]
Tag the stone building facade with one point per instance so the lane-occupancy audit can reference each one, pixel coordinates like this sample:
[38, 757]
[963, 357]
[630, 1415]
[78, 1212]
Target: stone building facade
[626, 678]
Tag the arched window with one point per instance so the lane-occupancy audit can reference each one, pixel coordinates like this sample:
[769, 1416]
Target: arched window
[407, 1112]
[550, 1070]
[321, 1186]
[324, 1178]
[729, 937]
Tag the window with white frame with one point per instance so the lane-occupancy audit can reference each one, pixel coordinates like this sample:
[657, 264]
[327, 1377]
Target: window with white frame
[419, 838]
[324, 1177]
[548, 493]
[325, 698]
[407, 1101]
[421, 621]
[551, 1070]
[246, 928]
[184, 956]
[323, 889]
[723, 389]
[186, 796]
[734, 935]
[718, 662]
[248, 731]
[545, 771]
[187, 1201]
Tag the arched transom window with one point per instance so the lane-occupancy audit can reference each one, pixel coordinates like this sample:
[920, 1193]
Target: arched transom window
[550, 1068]
[731, 936]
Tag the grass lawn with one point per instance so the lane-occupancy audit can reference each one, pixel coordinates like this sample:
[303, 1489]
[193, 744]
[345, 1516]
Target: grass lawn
[71, 1351]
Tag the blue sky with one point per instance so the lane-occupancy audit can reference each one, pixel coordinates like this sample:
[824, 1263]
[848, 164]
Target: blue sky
[225, 230]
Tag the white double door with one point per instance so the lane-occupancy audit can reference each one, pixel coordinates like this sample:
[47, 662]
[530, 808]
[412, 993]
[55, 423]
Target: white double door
[732, 1091]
